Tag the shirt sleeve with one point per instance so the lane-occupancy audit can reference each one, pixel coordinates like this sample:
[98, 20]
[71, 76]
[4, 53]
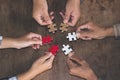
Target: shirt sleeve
[117, 30]
[11, 78]
[1, 39]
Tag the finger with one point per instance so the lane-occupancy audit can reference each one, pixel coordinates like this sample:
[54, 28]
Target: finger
[86, 38]
[47, 18]
[70, 63]
[71, 54]
[62, 15]
[51, 59]
[67, 17]
[85, 26]
[31, 35]
[73, 21]
[51, 15]
[80, 61]
[34, 46]
[78, 35]
[31, 42]
[47, 56]
[39, 20]
[86, 35]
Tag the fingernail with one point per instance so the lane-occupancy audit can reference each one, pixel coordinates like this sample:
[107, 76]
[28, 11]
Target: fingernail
[78, 35]
[65, 21]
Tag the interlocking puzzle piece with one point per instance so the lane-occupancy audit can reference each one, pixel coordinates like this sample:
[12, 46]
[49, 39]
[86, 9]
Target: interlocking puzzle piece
[54, 49]
[46, 39]
[52, 28]
[66, 49]
[72, 36]
[64, 27]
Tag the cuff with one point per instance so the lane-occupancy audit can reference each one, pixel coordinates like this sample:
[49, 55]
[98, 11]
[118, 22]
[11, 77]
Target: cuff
[117, 30]
[1, 38]
[13, 78]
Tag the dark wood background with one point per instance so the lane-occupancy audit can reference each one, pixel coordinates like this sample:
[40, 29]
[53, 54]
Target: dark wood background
[102, 55]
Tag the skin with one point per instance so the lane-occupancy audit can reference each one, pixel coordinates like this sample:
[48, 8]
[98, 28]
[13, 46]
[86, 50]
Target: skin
[22, 42]
[40, 12]
[79, 67]
[93, 31]
[72, 12]
[42, 64]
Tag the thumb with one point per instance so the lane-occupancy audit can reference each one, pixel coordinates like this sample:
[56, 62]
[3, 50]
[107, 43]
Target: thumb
[51, 59]
[80, 61]
[47, 18]
[86, 35]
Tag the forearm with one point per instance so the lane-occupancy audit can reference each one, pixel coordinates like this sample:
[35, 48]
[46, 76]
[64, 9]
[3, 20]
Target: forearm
[27, 75]
[7, 43]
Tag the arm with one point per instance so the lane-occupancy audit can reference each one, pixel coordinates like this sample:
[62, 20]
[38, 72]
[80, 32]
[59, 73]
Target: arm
[21, 42]
[42, 64]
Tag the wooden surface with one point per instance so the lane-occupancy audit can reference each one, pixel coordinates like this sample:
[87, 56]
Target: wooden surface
[102, 55]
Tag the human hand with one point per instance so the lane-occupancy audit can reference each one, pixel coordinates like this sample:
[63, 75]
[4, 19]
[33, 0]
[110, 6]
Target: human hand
[31, 39]
[40, 12]
[72, 13]
[91, 31]
[42, 64]
[80, 68]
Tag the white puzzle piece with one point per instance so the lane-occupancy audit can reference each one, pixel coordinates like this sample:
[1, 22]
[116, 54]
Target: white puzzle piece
[72, 36]
[66, 49]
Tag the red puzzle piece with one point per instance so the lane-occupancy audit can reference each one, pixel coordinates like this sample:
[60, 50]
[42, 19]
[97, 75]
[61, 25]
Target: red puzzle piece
[54, 49]
[46, 39]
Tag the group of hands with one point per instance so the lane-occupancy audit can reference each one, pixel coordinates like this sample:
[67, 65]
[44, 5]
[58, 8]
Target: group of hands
[70, 17]
[77, 67]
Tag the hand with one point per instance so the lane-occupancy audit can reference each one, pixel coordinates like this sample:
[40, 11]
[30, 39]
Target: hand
[72, 13]
[80, 68]
[91, 31]
[31, 39]
[42, 64]
[40, 12]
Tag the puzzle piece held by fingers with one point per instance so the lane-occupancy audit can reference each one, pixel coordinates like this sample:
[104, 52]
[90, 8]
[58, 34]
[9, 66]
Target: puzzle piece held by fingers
[52, 28]
[54, 49]
[72, 36]
[46, 39]
[63, 27]
[66, 49]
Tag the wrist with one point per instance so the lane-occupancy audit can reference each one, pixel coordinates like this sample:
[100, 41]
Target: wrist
[110, 31]
[92, 77]
[26, 76]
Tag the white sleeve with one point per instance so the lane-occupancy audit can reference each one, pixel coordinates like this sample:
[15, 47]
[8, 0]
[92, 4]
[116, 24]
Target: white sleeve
[1, 39]
[117, 30]
[13, 78]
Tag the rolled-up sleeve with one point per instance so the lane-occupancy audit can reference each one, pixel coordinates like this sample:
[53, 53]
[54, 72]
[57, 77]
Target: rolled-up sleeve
[1, 39]
[117, 30]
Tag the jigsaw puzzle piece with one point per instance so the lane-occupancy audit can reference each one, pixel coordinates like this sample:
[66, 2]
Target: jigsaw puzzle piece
[72, 36]
[66, 49]
[63, 27]
[54, 49]
[46, 40]
[52, 28]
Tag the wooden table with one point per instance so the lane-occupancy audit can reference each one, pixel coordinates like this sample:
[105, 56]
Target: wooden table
[102, 55]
